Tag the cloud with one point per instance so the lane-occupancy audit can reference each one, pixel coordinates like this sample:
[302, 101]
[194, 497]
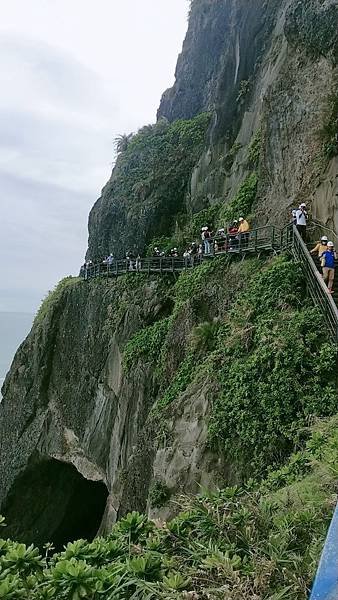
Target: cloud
[54, 151]
[48, 244]
[72, 77]
[42, 79]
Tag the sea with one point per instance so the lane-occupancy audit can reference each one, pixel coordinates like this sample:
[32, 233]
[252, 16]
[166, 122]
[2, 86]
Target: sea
[14, 327]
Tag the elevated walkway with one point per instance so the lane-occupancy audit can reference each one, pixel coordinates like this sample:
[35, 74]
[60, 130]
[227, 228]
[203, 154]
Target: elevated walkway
[268, 239]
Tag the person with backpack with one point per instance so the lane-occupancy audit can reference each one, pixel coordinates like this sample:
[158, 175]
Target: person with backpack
[301, 220]
[205, 235]
[328, 264]
[321, 246]
[233, 236]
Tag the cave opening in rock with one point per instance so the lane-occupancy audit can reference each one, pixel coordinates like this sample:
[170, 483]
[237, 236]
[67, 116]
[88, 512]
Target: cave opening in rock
[52, 502]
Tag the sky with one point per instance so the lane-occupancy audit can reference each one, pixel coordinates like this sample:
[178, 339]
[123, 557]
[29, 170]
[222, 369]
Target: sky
[74, 74]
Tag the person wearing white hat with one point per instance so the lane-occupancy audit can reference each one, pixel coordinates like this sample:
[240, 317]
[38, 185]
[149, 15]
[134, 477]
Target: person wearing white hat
[321, 246]
[301, 220]
[206, 240]
[328, 263]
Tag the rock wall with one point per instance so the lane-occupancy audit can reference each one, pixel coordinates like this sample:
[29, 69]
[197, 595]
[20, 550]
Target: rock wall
[286, 103]
[259, 68]
[65, 398]
[73, 413]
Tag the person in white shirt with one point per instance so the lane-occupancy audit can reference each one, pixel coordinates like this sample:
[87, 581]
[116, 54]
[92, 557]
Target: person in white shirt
[301, 220]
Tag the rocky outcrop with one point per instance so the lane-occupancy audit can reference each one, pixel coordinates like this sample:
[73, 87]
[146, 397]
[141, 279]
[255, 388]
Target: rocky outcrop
[79, 424]
[225, 42]
[286, 104]
[66, 404]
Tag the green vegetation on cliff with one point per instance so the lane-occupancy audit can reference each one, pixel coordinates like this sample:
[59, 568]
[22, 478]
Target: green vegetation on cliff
[260, 543]
[145, 197]
[248, 332]
[313, 27]
[275, 370]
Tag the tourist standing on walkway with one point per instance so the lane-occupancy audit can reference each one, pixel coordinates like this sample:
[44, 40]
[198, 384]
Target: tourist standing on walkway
[328, 264]
[233, 236]
[205, 234]
[294, 216]
[301, 220]
[243, 231]
[321, 247]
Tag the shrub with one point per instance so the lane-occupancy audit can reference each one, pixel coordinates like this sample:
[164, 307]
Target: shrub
[255, 148]
[229, 159]
[53, 297]
[153, 173]
[249, 544]
[159, 494]
[242, 203]
[271, 376]
[146, 343]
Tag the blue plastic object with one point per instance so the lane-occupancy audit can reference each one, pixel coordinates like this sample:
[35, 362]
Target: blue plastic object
[325, 586]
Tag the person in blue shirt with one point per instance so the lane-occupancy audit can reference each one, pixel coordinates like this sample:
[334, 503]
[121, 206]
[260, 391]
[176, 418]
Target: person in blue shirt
[328, 263]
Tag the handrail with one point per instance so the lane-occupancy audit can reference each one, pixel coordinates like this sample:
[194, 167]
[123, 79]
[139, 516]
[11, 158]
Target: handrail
[325, 585]
[331, 231]
[316, 286]
[262, 238]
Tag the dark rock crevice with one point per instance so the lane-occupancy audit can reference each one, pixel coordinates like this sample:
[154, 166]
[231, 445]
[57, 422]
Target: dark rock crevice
[52, 502]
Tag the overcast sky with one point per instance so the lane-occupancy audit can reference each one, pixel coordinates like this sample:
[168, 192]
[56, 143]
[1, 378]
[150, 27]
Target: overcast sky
[73, 75]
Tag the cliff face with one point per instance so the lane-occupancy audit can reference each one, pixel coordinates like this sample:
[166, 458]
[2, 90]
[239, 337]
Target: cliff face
[280, 105]
[76, 420]
[225, 41]
[127, 392]
[266, 73]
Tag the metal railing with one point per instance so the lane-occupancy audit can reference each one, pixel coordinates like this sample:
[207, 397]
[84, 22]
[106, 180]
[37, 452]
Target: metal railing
[257, 240]
[316, 286]
[156, 264]
[319, 229]
[261, 238]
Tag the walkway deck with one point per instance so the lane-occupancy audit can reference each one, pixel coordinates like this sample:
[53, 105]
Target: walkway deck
[263, 239]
